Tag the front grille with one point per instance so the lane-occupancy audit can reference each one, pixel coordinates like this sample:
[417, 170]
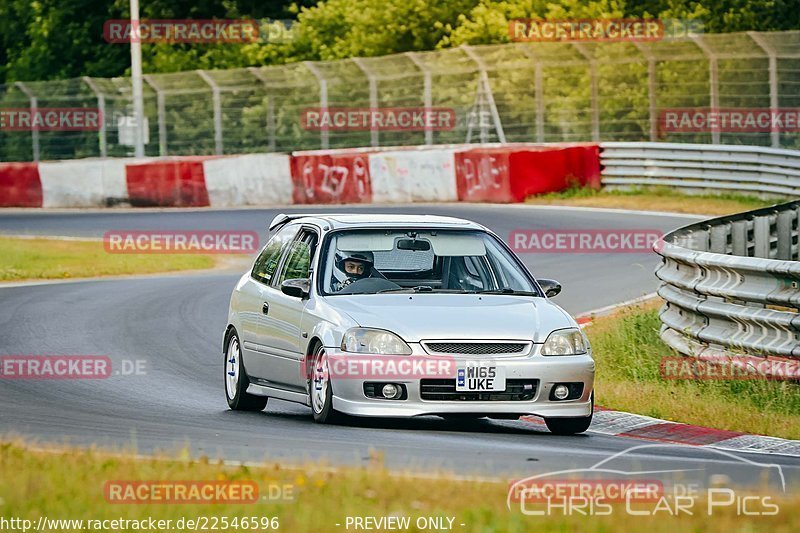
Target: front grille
[477, 348]
[444, 390]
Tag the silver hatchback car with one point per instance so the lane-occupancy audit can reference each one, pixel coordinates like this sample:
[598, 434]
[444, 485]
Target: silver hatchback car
[399, 316]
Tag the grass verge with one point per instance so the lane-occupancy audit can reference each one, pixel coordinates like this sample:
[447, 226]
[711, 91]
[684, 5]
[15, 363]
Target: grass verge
[42, 258]
[71, 484]
[655, 199]
[628, 352]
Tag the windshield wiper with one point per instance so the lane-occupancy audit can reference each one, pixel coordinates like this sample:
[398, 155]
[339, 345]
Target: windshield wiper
[506, 290]
[420, 288]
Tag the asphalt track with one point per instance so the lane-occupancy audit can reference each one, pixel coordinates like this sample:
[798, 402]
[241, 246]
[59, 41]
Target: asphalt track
[174, 323]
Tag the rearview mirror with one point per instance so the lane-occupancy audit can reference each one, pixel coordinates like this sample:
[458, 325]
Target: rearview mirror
[299, 288]
[550, 287]
[414, 245]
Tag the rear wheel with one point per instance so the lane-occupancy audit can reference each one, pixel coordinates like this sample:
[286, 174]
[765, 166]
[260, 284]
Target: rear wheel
[236, 381]
[320, 390]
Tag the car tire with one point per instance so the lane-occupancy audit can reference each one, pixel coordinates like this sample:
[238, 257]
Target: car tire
[236, 380]
[570, 426]
[320, 391]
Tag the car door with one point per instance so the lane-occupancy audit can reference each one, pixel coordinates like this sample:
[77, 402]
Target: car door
[283, 333]
[253, 302]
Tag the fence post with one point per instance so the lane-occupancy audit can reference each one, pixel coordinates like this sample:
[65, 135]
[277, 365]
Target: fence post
[324, 137]
[538, 84]
[373, 99]
[270, 107]
[594, 104]
[217, 101]
[35, 148]
[426, 92]
[484, 80]
[101, 105]
[775, 133]
[713, 74]
[652, 85]
[162, 114]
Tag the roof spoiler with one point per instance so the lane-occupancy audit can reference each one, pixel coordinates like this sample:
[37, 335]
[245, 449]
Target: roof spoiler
[279, 220]
[282, 219]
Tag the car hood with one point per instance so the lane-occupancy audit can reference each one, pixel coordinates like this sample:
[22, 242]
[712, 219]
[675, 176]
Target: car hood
[418, 317]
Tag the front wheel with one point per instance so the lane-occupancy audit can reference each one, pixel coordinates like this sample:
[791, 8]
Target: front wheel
[236, 381]
[320, 390]
[570, 426]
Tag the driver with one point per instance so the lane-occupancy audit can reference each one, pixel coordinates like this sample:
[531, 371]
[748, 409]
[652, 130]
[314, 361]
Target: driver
[351, 267]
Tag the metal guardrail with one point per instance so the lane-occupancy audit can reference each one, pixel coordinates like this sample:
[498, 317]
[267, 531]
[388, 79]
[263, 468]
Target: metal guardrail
[732, 285]
[738, 169]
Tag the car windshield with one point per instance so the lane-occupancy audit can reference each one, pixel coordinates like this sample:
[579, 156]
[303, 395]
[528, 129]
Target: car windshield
[397, 260]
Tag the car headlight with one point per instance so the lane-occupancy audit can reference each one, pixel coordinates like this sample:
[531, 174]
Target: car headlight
[565, 342]
[374, 341]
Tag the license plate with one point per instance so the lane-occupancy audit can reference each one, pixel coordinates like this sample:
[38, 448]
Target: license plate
[479, 378]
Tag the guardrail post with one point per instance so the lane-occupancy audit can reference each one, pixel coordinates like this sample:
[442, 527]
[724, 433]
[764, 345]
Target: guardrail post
[34, 103]
[719, 239]
[324, 138]
[713, 81]
[161, 105]
[217, 102]
[373, 99]
[775, 133]
[761, 238]
[427, 96]
[270, 108]
[739, 238]
[699, 240]
[783, 227]
[101, 105]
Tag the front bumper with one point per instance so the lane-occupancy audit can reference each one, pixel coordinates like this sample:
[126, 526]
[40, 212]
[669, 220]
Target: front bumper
[349, 396]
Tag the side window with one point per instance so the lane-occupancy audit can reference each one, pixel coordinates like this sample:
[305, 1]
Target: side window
[298, 260]
[266, 264]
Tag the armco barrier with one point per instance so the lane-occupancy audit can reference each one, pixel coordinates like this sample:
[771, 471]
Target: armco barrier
[413, 176]
[721, 168]
[253, 179]
[331, 177]
[495, 173]
[512, 173]
[84, 182]
[178, 182]
[732, 285]
[20, 185]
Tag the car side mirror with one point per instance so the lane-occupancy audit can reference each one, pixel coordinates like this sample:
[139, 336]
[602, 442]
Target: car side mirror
[299, 288]
[550, 287]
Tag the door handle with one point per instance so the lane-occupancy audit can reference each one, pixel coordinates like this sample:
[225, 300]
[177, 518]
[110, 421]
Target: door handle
[265, 308]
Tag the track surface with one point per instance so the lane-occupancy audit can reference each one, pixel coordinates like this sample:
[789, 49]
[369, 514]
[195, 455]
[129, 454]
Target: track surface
[174, 324]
